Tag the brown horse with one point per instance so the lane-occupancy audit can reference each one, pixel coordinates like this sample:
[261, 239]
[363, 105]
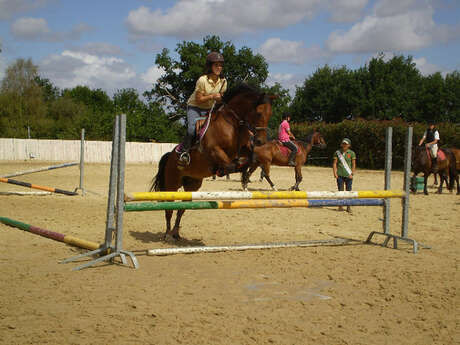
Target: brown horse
[241, 121]
[271, 154]
[456, 153]
[422, 164]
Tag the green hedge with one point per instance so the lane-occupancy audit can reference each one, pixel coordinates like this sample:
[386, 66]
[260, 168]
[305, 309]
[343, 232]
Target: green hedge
[368, 139]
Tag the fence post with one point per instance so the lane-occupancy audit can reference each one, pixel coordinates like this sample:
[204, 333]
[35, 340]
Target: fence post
[388, 166]
[82, 161]
[406, 186]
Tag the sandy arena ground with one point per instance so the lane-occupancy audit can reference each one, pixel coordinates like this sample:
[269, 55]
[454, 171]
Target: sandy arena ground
[354, 294]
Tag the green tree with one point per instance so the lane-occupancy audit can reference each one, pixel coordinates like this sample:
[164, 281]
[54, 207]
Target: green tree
[280, 106]
[145, 122]
[99, 117]
[21, 104]
[181, 73]
[452, 96]
[330, 94]
[391, 88]
[50, 92]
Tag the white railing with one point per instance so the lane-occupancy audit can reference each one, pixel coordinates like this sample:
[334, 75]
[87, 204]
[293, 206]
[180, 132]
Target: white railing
[69, 150]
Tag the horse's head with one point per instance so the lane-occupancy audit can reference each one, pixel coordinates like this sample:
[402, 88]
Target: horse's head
[419, 158]
[317, 140]
[253, 107]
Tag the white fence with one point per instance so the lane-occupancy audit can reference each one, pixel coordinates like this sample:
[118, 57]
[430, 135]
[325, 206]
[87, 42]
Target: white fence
[69, 150]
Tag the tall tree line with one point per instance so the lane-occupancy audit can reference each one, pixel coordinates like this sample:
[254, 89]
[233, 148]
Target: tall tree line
[381, 90]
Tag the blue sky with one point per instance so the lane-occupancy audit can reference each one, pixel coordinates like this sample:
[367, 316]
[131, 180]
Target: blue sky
[112, 44]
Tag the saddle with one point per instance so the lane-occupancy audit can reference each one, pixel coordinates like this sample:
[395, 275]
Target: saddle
[285, 150]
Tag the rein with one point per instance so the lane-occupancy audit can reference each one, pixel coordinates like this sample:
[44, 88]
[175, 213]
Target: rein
[242, 124]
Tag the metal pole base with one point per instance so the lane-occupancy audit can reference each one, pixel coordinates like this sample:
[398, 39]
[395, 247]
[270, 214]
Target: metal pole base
[107, 257]
[395, 238]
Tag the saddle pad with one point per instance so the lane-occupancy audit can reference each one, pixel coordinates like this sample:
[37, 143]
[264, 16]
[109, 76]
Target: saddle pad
[286, 151]
[441, 155]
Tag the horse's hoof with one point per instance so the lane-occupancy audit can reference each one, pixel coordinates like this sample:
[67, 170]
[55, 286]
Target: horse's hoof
[274, 189]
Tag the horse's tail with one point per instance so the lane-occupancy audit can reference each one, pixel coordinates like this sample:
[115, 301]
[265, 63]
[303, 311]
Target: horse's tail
[158, 182]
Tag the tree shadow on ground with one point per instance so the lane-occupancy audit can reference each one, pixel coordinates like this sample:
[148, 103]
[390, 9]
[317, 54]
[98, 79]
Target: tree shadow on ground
[159, 237]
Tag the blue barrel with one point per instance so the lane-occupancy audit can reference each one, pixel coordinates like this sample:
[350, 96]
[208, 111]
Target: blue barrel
[420, 184]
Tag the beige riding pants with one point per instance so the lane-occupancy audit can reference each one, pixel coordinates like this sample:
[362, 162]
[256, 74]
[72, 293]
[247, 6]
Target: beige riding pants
[434, 151]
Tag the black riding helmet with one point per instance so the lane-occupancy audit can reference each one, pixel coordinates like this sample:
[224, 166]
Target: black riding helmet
[214, 57]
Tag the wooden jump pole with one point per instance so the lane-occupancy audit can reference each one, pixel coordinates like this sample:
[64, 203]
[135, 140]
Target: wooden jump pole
[34, 186]
[71, 240]
[31, 171]
[239, 204]
[237, 195]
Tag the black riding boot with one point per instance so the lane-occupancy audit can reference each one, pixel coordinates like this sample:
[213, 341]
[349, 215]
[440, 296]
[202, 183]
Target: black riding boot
[292, 158]
[184, 157]
[434, 165]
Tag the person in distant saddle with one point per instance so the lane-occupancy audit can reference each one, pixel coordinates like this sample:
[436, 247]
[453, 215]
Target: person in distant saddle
[431, 136]
[344, 167]
[208, 90]
[284, 136]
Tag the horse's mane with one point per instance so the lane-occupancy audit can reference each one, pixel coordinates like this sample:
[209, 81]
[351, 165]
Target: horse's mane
[244, 88]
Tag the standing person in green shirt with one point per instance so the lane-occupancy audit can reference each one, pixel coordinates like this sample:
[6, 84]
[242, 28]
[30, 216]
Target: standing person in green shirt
[344, 167]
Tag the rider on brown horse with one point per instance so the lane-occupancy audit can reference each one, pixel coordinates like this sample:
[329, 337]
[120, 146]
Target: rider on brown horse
[431, 136]
[285, 135]
[208, 90]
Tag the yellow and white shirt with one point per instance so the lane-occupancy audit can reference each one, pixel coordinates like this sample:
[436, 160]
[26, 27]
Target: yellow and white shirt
[207, 86]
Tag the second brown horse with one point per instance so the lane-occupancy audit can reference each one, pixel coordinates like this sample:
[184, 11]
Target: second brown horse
[271, 154]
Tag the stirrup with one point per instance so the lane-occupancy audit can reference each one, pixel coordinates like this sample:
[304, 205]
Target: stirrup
[184, 158]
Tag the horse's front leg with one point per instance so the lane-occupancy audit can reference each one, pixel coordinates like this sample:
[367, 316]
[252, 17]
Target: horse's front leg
[174, 233]
[442, 178]
[425, 180]
[298, 177]
[247, 175]
[168, 216]
[221, 159]
[266, 173]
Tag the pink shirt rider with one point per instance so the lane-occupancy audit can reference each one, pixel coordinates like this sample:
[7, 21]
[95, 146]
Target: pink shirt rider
[283, 134]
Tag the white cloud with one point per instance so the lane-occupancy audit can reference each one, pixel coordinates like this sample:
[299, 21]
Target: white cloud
[277, 50]
[287, 80]
[389, 8]
[99, 48]
[394, 25]
[427, 68]
[152, 75]
[192, 18]
[400, 32]
[72, 68]
[37, 29]
[346, 11]
[8, 8]
[30, 28]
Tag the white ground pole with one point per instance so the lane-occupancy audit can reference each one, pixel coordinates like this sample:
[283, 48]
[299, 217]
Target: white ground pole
[241, 247]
